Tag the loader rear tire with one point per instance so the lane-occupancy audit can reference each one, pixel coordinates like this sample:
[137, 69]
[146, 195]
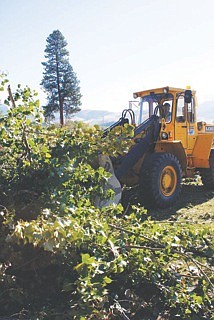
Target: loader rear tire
[207, 175]
[160, 180]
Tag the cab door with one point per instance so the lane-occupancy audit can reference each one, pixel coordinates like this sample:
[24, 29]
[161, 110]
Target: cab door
[191, 125]
[181, 125]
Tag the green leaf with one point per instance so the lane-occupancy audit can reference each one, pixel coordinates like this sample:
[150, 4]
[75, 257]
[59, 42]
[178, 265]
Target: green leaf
[86, 259]
[107, 280]
[47, 155]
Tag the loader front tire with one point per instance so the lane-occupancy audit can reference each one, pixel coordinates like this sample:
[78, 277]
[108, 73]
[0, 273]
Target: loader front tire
[207, 175]
[160, 180]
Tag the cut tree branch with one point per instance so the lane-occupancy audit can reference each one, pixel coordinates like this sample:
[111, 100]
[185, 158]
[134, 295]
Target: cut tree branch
[11, 96]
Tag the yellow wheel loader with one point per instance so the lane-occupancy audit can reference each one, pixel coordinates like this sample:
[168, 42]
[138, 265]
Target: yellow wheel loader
[168, 145]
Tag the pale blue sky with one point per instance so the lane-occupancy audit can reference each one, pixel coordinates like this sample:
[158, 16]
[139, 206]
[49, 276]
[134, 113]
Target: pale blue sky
[116, 46]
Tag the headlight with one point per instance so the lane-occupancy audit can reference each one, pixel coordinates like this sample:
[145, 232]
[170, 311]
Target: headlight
[135, 95]
[164, 135]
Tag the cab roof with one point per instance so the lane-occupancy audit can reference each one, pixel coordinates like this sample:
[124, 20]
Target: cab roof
[159, 90]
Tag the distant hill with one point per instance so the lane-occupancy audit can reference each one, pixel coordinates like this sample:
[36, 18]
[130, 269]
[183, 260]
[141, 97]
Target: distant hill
[100, 117]
[105, 118]
[205, 112]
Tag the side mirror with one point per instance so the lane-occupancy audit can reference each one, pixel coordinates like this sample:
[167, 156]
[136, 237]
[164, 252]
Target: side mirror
[188, 96]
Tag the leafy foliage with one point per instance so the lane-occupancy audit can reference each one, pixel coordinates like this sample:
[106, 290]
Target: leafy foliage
[63, 258]
[59, 80]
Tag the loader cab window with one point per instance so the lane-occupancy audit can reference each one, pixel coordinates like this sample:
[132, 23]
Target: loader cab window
[149, 105]
[191, 111]
[185, 111]
[180, 110]
[144, 111]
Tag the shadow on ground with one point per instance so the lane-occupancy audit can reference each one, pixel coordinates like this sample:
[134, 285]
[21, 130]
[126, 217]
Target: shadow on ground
[194, 198]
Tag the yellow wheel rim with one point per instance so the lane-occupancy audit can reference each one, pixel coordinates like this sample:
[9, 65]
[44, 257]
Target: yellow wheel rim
[168, 181]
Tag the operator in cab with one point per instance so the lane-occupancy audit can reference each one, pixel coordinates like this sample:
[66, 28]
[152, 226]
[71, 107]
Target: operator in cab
[167, 112]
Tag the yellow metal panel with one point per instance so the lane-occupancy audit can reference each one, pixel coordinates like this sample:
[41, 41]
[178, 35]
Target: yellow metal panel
[192, 136]
[201, 151]
[181, 133]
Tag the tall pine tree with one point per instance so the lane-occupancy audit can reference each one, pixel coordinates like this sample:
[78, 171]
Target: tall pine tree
[59, 80]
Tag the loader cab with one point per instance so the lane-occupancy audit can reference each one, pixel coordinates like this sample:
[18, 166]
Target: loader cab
[159, 103]
[180, 116]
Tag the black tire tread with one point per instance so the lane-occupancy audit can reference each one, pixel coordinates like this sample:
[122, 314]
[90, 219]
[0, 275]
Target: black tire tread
[207, 175]
[150, 194]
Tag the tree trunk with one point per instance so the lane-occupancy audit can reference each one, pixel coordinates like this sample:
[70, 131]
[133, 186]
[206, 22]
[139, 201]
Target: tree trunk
[59, 93]
[60, 107]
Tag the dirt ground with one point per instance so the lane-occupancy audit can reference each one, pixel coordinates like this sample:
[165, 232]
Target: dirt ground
[196, 204]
